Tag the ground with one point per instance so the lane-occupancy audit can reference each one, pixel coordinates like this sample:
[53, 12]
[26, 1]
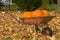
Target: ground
[10, 28]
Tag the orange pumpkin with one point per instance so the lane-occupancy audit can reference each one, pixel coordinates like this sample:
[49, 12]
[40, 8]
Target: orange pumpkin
[37, 13]
[45, 12]
[27, 15]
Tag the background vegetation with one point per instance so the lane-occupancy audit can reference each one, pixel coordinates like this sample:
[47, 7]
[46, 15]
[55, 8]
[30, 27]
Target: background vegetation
[29, 5]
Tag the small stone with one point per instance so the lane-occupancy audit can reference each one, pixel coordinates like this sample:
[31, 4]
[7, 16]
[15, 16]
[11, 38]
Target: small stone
[34, 33]
[19, 12]
[3, 12]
